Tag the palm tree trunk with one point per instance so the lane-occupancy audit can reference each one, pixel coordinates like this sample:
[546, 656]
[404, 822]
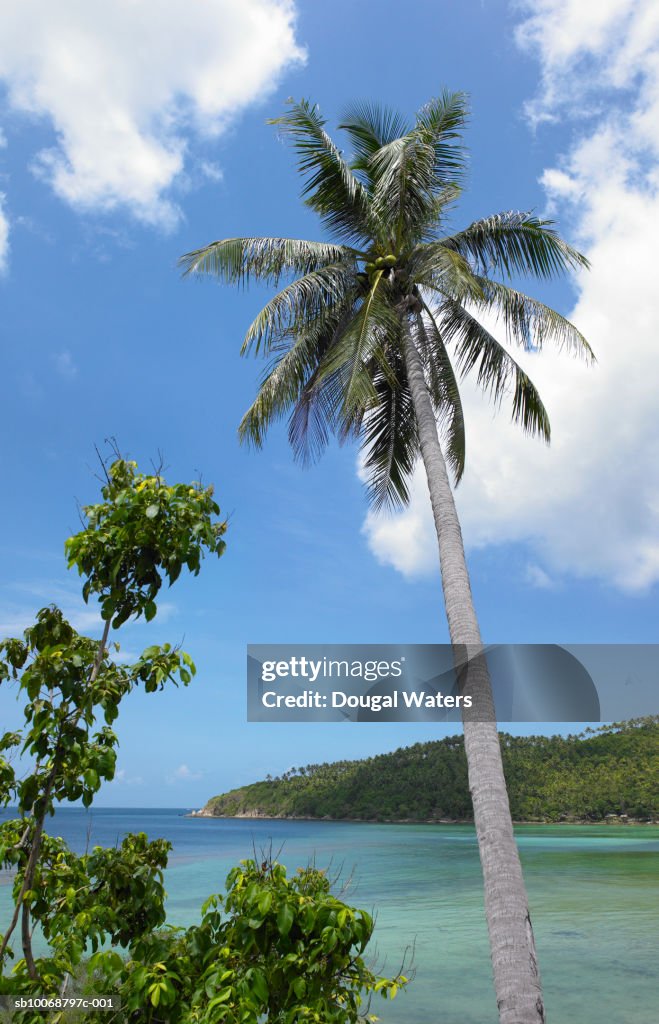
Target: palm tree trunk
[516, 975]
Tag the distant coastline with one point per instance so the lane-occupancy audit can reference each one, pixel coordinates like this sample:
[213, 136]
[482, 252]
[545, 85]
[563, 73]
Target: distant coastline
[610, 820]
[603, 776]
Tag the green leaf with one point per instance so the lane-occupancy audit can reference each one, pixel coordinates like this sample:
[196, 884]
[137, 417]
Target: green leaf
[152, 511]
[285, 918]
[119, 619]
[259, 985]
[265, 902]
[299, 986]
[222, 997]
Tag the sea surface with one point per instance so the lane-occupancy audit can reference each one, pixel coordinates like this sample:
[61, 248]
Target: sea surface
[594, 894]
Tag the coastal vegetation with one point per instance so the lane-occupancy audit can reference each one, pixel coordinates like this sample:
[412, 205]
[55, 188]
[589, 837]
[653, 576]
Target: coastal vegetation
[270, 947]
[609, 773]
[367, 341]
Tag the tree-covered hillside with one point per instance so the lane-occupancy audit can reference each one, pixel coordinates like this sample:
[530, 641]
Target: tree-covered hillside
[613, 770]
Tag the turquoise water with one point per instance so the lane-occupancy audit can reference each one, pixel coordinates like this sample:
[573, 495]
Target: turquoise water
[593, 893]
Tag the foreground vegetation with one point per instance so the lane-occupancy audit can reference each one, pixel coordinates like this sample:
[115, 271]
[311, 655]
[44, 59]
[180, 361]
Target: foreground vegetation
[269, 948]
[612, 771]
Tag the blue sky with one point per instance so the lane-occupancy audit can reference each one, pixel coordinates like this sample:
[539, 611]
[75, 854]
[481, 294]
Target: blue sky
[133, 133]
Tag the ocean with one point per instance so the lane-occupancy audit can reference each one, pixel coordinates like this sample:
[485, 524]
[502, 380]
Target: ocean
[593, 895]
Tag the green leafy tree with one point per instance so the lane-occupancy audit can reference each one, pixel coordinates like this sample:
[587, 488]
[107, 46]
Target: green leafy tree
[273, 948]
[143, 532]
[367, 340]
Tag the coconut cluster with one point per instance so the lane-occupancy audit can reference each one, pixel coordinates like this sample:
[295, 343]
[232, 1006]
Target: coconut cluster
[381, 263]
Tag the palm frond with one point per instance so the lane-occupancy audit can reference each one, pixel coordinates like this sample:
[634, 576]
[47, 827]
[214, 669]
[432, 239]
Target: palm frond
[496, 370]
[370, 126]
[439, 206]
[237, 260]
[390, 439]
[403, 185]
[413, 176]
[444, 391]
[291, 382]
[442, 121]
[516, 243]
[316, 415]
[314, 419]
[285, 379]
[443, 269]
[360, 344]
[530, 322]
[299, 303]
[331, 188]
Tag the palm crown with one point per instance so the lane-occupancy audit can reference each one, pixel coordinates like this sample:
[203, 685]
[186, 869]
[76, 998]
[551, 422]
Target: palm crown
[335, 334]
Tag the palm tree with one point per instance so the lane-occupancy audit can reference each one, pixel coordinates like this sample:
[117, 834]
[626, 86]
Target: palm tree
[367, 341]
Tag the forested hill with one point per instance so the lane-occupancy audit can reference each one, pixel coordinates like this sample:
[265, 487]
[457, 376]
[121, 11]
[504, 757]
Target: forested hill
[611, 771]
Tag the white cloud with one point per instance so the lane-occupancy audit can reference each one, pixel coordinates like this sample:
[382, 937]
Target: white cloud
[570, 38]
[211, 170]
[65, 365]
[584, 48]
[124, 657]
[124, 84]
[406, 540]
[17, 613]
[18, 610]
[185, 774]
[589, 505]
[167, 610]
[122, 778]
[537, 577]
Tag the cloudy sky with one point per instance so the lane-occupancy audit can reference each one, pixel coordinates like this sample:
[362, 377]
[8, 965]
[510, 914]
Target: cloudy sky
[131, 133]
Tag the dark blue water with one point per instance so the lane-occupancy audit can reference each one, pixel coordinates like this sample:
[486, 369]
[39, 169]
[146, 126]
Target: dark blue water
[593, 894]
